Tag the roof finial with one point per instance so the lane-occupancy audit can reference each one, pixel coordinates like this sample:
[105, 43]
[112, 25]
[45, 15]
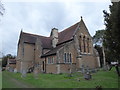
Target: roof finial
[21, 29]
[81, 17]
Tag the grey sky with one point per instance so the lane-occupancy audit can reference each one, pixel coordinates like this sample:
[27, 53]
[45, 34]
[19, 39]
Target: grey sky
[40, 17]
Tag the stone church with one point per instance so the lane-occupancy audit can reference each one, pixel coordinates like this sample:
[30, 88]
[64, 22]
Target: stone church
[61, 52]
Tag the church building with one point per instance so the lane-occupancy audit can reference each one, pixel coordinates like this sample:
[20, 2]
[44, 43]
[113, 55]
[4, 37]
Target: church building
[61, 52]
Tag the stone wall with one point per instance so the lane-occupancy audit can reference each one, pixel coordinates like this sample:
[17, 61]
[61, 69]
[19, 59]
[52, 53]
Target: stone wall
[51, 68]
[18, 66]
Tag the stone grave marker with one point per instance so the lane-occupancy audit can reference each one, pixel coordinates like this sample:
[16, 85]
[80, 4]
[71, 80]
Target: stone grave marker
[83, 69]
[24, 72]
[36, 72]
[15, 70]
[87, 76]
[93, 70]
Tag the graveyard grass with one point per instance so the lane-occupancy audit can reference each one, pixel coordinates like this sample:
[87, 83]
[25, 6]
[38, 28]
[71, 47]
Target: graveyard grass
[105, 79]
[0, 80]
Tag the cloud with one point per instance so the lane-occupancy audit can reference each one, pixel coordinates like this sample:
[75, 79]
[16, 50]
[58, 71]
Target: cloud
[40, 18]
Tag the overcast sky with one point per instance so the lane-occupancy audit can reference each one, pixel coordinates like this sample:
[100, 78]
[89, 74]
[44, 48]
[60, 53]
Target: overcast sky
[40, 17]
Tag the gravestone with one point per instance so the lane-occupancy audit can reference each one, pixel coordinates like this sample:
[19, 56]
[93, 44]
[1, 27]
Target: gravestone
[87, 76]
[15, 70]
[83, 69]
[93, 70]
[11, 69]
[24, 72]
[105, 68]
[87, 68]
[36, 72]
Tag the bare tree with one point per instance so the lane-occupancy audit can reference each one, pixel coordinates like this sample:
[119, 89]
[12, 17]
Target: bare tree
[2, 9]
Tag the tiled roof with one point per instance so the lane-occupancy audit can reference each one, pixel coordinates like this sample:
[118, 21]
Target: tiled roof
[52, 51]
[67, 34]
[31, 38]
[63, 36]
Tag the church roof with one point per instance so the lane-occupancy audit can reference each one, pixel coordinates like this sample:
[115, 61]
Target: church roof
[67, 34]
[63, 36]
[52, 51]
[32, 38]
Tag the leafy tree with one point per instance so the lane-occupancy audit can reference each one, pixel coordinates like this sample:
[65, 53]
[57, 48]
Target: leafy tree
[5, 58]
[112, 37]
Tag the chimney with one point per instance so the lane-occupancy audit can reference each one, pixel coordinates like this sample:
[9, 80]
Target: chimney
[54, 35]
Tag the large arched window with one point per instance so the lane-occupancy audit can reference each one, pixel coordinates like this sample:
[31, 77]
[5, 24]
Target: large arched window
[84, 44]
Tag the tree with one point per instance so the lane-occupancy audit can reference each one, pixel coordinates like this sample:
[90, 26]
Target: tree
[2, 9]
[98, 41]
[5, 58]
[99, 49]
[98, 37]
[112, 37]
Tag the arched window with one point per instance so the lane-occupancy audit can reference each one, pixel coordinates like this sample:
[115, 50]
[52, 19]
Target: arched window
[70, 58]
[88, 45]
[80, 39]
[65, 57]
[84, 44]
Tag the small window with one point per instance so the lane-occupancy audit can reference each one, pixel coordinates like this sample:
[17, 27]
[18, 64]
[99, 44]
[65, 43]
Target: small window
[67, 58]
[50, 60]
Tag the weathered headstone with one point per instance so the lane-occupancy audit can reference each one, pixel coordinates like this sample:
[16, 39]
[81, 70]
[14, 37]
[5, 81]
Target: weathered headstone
[24, 72]
[36, 72]
[15, 70]
[87, 69]
[11, 69]
[87, 76]
[105, 68]
[83, 69]
[93, 70]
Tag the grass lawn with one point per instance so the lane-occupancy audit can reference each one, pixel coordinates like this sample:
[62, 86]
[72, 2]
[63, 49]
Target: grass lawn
[0, 80]
[106, 79]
